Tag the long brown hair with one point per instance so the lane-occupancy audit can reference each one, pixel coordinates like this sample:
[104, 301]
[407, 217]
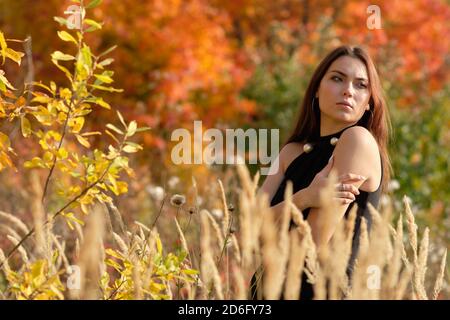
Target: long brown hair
[377, 120]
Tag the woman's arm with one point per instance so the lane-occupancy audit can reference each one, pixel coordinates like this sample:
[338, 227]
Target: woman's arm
[356, 152]
[273, 180]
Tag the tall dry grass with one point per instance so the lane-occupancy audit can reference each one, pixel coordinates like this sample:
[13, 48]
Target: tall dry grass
[120, 261]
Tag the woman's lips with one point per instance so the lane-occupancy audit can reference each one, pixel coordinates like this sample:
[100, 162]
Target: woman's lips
[344, 106]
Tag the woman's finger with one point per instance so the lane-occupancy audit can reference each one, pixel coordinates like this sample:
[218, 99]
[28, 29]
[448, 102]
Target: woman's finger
[346, 187]
[351, 176]
[347, 195]
[343, 201]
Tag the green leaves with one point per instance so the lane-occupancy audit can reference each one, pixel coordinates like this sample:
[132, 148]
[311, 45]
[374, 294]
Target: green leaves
[93, 4]
[107, 51]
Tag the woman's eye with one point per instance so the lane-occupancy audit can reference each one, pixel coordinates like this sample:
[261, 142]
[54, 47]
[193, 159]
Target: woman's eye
[335, 78]
[363, 85]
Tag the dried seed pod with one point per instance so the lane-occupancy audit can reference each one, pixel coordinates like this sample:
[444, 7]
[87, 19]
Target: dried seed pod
[177, 200]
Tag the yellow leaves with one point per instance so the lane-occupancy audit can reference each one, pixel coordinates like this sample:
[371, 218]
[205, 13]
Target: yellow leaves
[118, 187]
[48, 158]
[5, 160]
[65, 36]
[107, 51]
[62, 154]
[76, 124]
[3, 46]
[103, 88]
[36, 162]
[94, 25]
[25, 126]
[83, 141]
[156, 287]
[36, 282]
[121, 119]
[4, 83]
[41, 98]
[70, 217]
[102, 103]
[43, 116]
[114, 253]
[114, 128]
[190, 271]
[65, 93]
[87, 134]
[114, 264]
[14, 55]
[37, 271]
[50, 140]
[6, 52]
[132, 128]
[158, 244]
[160, 270]
[131, 147]
[105, 63]
[103, 78]
[63, 69]
[58, 55]
[86, 56]
[51, 89]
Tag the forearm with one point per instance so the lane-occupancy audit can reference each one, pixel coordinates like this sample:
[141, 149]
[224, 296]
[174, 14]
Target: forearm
[323, 224]
[299, 199]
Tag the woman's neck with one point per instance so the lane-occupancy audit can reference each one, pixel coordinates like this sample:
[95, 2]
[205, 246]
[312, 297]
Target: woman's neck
[333, 127]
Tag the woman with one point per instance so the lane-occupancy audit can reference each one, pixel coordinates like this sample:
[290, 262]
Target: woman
[343, 125]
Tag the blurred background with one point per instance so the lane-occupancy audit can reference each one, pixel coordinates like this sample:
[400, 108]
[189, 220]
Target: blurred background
[246, 64]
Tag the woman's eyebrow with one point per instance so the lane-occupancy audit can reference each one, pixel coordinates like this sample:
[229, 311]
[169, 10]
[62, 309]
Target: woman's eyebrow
[343, 74]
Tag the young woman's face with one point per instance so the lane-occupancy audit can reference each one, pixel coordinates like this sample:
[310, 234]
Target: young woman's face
[345, 82]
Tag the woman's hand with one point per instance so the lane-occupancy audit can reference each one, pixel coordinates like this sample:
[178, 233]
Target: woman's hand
[345, 191]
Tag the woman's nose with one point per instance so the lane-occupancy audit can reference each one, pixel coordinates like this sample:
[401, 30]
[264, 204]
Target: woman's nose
[348, 90]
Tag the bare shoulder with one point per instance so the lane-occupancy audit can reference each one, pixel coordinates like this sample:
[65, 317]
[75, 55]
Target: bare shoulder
[358, 151]
[288, 153]
[360, 135]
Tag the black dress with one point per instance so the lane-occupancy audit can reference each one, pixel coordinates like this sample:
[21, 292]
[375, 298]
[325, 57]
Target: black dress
[301, 171]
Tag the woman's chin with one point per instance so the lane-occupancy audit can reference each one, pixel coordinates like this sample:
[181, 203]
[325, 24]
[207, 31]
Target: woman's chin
[343, 117]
